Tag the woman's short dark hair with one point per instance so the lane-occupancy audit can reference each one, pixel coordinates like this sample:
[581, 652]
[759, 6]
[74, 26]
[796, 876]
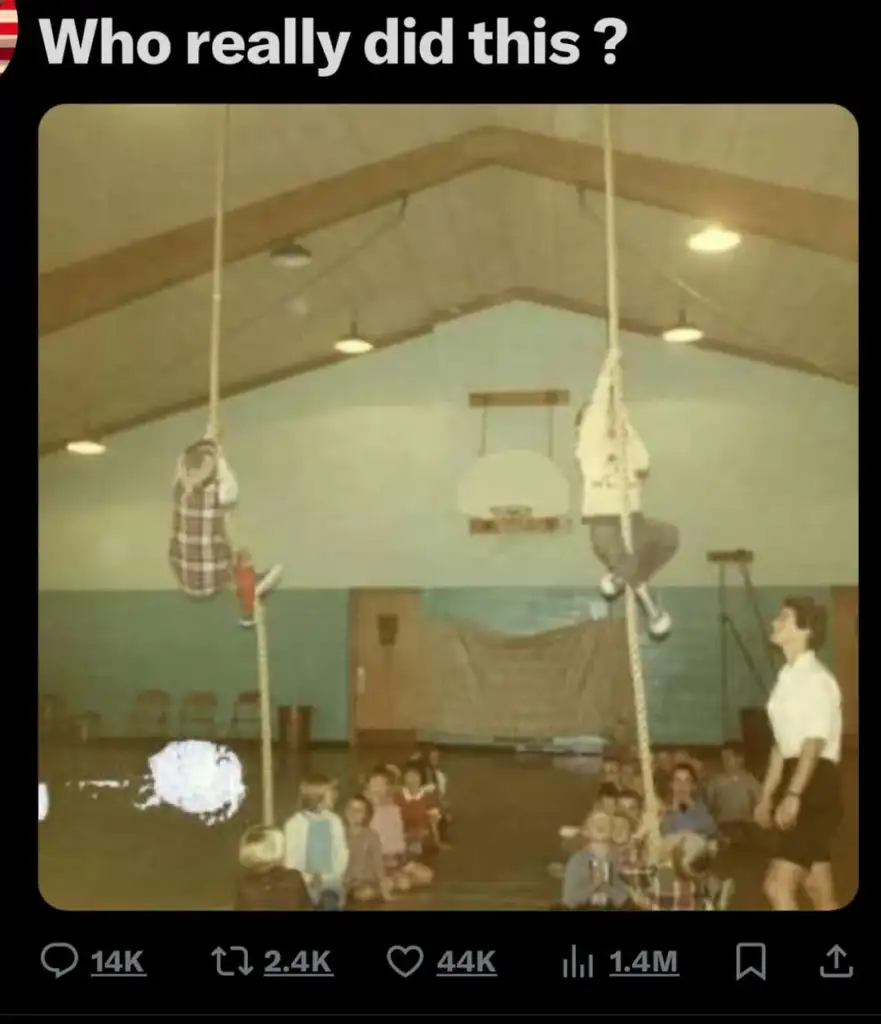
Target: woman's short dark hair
[809, 615]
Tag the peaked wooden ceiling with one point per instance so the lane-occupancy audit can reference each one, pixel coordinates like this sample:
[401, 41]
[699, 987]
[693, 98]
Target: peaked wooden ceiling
[501, 203]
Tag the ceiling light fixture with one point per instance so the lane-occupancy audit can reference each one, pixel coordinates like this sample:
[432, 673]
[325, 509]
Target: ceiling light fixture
[353, 344]
[683, 332]
[714, 239]
[86, 446]
[291, 255]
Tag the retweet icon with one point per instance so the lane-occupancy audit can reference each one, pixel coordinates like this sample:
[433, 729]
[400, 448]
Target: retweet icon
[8, 32]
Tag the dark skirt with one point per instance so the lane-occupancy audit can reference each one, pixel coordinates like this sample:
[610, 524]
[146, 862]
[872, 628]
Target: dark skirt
[819, 816]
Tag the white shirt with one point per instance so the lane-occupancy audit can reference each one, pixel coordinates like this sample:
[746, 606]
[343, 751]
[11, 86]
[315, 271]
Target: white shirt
[597, 454]
[805, 704]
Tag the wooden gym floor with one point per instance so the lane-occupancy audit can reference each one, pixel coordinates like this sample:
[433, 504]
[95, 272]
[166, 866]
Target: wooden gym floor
[97, 852]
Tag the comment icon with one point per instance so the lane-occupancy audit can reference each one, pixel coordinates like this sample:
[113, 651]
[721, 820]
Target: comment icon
[59, 958]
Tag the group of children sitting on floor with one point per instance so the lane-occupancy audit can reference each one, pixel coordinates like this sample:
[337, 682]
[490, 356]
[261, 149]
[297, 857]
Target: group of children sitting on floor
[385, 843]
[607, 866]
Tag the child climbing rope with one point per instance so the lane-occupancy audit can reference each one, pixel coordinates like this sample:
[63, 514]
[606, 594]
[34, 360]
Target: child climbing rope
[200, 551]
[654, 542]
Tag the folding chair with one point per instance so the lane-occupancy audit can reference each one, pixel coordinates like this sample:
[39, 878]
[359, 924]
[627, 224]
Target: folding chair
[246, 714]
[198, 713]
[151, 715]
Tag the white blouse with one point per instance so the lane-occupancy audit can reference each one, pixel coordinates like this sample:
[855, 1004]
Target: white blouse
[805, 704]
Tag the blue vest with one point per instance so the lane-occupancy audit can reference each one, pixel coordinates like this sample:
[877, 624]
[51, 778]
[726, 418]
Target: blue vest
[319, 845]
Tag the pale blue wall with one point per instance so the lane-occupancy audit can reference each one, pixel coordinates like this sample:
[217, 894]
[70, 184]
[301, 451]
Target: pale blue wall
[349, 476]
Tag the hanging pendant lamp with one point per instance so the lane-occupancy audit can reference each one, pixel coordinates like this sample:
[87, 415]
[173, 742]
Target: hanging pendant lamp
[683, 332]
[352, 344]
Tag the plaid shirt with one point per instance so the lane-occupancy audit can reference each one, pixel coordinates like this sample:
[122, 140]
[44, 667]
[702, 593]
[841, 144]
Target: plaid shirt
[660, 888]
[200, 552]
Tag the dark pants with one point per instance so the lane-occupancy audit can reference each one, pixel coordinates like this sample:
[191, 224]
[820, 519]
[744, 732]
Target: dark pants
[654, 544]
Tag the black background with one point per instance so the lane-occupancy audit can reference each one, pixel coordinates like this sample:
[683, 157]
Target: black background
[714, 53]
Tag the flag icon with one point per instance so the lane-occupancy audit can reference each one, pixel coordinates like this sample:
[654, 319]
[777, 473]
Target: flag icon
[8, 32]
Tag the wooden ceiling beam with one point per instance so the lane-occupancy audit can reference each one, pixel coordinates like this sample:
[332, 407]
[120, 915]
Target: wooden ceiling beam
[798, 217]
[92, 286]
[538, 296]
[75, 292]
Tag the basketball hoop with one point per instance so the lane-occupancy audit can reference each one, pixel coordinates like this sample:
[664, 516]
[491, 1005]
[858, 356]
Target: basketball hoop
[510, 518]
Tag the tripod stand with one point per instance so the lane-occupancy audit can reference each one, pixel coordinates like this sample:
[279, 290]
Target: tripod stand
[728, 630]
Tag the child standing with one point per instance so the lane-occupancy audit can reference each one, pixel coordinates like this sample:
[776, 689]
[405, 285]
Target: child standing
[264, 883]
[315, 844]
[366, 877]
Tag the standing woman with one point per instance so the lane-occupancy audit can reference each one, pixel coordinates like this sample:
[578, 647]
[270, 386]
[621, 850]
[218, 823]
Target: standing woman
[801, 798]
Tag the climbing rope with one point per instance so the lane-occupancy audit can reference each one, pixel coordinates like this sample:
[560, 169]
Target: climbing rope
[652, 820]
[212, 431]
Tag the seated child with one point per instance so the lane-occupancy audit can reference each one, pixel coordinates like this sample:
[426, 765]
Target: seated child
[429, 758]
[630, 777]
[687, 813]
[629, 854]
[681, 880]
[620, 746]
[315, 844]
[366, 877]
[251, 585]
[607, 798]
[610, 772]
[590, 878]
[732, 796]
[421, 813]
[388, 823]
[264, 883]
[663, 771]
[629, 803]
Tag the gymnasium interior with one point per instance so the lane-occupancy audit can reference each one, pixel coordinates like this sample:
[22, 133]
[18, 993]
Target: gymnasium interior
[396, 327]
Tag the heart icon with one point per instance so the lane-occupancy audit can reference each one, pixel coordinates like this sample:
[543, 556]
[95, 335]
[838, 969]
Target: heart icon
[405, 960]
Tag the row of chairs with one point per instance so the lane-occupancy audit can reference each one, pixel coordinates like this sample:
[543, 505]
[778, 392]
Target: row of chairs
[153, 714]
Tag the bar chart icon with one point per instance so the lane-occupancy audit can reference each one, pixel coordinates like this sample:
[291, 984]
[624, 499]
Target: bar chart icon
[574, 968]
